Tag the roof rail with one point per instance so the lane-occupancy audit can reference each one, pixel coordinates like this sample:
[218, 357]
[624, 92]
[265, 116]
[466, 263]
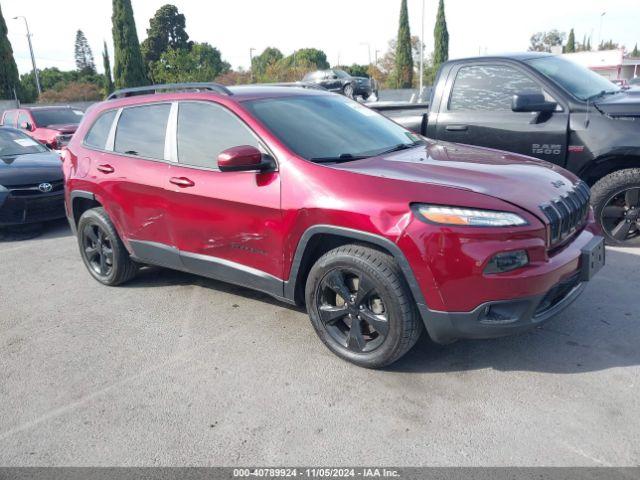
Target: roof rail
[166, 87]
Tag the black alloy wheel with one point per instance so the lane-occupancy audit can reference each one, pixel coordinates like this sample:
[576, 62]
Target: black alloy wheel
[352, 310]
[620, 217]
[97, 249]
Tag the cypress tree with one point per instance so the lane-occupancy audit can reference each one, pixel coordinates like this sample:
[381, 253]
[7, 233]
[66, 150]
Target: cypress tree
[404, 57]
[108, 82]
[441, 38]
[588, 47]
[571, 43]
[128, 67]
[635, 52]
[9, 79]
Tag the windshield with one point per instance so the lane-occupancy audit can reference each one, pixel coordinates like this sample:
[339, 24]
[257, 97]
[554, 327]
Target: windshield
[56, 116]
[14, 143]
[325, 127]
[341, 74]
[578, 80]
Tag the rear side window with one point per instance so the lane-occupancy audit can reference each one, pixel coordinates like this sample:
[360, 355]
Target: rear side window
[99, 132]
[141, 131]
[205, 130]
[489, 87]
[10, 119]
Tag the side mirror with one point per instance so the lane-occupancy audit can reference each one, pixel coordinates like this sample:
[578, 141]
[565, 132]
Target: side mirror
[243, 158]
[26, 126]
[532, 102]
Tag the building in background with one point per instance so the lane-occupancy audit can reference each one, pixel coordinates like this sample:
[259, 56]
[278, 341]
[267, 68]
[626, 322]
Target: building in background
[611, 64]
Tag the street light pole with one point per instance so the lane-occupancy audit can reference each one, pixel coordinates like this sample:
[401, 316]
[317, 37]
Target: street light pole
[251, 50]
[600, 32]
[422, 54]
[33, 58]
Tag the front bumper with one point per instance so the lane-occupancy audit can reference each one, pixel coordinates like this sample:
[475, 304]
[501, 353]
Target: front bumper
[507, 317]
[20, 210]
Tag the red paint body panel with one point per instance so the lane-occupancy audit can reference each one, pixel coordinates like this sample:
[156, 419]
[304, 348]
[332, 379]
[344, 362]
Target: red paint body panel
[257, 219]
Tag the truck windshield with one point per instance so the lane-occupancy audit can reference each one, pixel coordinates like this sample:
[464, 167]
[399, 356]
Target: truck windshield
[330, 127]
[14, 143]
[581, 82]
[56, 116]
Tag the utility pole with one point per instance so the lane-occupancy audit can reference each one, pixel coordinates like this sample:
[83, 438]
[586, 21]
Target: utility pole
[251, 50]
[422, 54]
[600, 33]
[33, 58]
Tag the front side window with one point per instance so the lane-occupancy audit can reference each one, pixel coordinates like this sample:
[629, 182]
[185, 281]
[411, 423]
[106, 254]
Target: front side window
[325, 127]
[141, 131]
[10, 119]
[205, 130]
[489, 88]
[22, 119]
[99, 132]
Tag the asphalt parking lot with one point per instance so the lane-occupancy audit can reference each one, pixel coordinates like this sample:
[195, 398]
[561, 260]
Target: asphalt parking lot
[173, 369]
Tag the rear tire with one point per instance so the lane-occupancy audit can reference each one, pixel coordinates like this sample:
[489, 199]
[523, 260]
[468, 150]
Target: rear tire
[616, 204]
[101, 249]
[378, 322]
[347, 90]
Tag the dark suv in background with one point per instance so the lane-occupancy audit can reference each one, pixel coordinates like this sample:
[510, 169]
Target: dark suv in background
[339, 81]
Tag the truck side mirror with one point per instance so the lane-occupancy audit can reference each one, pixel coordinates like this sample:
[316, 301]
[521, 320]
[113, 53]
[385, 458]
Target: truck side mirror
[532, 102]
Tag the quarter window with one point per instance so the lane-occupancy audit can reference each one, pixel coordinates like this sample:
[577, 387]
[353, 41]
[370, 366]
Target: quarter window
[205, 130]
[99, 132]
[489, 87]
[141, 130]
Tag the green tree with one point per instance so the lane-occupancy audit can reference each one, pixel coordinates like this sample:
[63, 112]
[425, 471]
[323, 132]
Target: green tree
[543, 41]
[635, 52]
[440, 39]
[9, 79]
[108, 82]
[310, 56]
[203, 63]
[129, 68]
[268, 57]
[571, 43]
[608, 45]
[403, 71]
[588, 47]
[356, 70]
[83, 54]
[166, 30]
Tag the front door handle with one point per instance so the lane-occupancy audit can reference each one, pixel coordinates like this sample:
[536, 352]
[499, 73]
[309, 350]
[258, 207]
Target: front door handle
[457, 128]
[106, 168]
[182, 182]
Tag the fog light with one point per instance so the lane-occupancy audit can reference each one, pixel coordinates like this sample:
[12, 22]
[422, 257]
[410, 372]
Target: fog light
[507, 261]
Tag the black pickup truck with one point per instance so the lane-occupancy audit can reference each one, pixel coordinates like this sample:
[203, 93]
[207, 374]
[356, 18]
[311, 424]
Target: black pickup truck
[547, 107]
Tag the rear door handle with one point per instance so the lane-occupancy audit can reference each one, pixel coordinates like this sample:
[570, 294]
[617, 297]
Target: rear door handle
[457, 128]
[182, 182]
[106, 168]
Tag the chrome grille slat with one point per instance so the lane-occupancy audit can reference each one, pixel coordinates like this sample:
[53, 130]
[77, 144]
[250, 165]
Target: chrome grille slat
[567, 213]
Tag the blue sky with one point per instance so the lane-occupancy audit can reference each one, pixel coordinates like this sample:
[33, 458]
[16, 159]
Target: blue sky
[344, 30]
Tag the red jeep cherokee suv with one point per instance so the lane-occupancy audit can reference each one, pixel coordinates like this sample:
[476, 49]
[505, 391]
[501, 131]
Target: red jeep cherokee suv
[315, 199]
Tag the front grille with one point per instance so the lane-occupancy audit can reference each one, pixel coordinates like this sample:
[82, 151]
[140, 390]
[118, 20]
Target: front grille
[567, 213]
[33, 189]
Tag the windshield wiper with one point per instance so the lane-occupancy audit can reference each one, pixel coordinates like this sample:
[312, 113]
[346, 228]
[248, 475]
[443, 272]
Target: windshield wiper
[343, 157]
[602, 94]
[400, 147]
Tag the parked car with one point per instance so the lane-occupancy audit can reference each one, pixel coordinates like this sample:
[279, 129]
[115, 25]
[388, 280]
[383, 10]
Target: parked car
[375, 229]
[31, 182]
[547, 107]
[52, 126]
[336, 80]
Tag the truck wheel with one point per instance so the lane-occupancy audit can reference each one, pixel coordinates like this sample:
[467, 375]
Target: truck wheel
[616, 202]
[361, 307]
[102, 251]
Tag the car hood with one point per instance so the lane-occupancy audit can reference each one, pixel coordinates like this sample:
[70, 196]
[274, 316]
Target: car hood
[519, 180]
[64, 128]
[623, 104]
[30, 169]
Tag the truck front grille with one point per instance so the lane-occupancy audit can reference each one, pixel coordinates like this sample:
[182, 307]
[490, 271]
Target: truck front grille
[567, 213]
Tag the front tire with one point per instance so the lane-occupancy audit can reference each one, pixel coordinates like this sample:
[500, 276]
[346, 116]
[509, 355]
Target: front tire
[616, 204]
[361, 307]
[101, 249]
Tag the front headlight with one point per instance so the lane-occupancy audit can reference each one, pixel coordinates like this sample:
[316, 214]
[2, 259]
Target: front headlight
[3, 189]
[443, 215]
